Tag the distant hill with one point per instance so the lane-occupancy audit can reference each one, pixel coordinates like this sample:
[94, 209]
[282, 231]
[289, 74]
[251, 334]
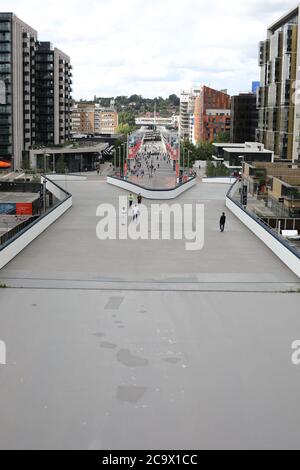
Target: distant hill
[139, 106]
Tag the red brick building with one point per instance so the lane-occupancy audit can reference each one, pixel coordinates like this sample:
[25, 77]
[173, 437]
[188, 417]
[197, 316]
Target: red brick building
[211, 115]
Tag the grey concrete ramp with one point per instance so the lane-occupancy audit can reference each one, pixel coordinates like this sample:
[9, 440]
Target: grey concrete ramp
[143, 345]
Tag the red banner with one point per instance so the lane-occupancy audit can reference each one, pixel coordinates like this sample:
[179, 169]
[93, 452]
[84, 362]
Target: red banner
[24, 208]
[173, 153]
[133, 151]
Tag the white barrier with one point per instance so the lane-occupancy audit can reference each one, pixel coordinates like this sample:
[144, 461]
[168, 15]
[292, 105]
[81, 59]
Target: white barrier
[18, 244]
[62, 177]
[224, 180]
[287, 257]
[148, 193]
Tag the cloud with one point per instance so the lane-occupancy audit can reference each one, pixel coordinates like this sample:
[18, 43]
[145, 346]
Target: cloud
[154, 48]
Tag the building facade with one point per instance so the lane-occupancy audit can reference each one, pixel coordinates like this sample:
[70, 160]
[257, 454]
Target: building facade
[52, 95]
[278, 103]
[92, 119]
[18, 43]
[244, 118]
[32, 110]
[211, 114]
[187, 106]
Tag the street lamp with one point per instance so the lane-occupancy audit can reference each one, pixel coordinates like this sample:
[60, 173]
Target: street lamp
[189, 153]
[124, 156]
[119, 149]
[115, 159]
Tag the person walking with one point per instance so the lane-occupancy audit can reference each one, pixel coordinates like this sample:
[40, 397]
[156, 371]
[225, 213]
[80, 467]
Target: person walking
[139, 199]
[222, 222]
[136, 212]
[123, 215]
[130, 199]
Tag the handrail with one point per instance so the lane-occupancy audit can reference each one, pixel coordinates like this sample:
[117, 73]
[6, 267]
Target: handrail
[38, 219]
[261, 223]
[153, 189]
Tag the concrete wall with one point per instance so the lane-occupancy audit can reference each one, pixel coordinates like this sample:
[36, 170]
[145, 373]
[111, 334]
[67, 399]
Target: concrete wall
[287, 257]
[62, 177]
[219, 180]
[17, 244]
[150, 193]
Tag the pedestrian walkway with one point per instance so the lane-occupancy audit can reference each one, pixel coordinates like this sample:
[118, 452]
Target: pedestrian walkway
[125, 344]
[163, 177]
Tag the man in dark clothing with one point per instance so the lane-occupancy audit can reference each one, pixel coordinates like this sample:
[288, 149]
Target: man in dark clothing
[139, 199]
[222, 222]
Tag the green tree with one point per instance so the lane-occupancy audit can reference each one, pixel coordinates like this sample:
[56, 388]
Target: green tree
[60, 165]
[223, 137]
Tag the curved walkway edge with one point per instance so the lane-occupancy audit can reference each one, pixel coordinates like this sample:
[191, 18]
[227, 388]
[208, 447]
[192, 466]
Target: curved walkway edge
[147, 193]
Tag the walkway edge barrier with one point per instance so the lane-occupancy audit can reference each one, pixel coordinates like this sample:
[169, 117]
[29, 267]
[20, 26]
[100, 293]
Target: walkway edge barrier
[149, 193]
[286, 253]
[16, 244]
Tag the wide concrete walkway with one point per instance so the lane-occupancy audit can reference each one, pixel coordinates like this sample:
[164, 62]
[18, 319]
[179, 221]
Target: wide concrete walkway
[143, 345]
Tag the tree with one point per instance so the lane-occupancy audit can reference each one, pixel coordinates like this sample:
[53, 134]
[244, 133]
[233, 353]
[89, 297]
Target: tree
[125, 129]
[223, 137]
[204, 151]
[60, 165]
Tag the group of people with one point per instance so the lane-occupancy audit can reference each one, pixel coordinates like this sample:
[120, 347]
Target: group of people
[134, 208]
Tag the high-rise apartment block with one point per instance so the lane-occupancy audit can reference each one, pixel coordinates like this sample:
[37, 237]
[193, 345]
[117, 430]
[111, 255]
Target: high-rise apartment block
[278, 99]
[244, 118]
[187, 106]
[211, 114]
[35, 100]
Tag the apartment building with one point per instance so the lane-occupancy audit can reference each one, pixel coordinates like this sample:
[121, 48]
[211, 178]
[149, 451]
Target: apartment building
[211, 114]
[244, 118]
[18, 43]
[52, 95]
[278, 98]
[83, 118]
[107, 121]
[35, 80]
[187, 106]
[90, 118]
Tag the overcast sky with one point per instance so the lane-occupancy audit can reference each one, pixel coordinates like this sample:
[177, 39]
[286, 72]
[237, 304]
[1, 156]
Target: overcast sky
[154, 47]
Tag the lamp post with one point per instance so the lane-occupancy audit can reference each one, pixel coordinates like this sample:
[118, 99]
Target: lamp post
[119, 149]
[189, 153]
[115, 159]
[124, 145]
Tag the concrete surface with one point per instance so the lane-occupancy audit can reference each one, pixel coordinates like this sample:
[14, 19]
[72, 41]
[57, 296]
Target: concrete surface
[142, 345]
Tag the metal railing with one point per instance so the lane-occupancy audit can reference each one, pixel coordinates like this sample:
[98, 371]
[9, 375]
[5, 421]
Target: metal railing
[232, 196]
[16, 230]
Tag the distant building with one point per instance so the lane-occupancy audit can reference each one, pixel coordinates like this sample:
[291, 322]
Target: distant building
[244, 118]
[106, 121]
[187, 106]
[279, 112]
[211, 114]
[234, 155]
[92, 119]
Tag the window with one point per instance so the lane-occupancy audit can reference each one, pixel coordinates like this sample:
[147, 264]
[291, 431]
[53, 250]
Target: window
[4, 57]
[4, 67]
[5, 36]
[5, 47]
